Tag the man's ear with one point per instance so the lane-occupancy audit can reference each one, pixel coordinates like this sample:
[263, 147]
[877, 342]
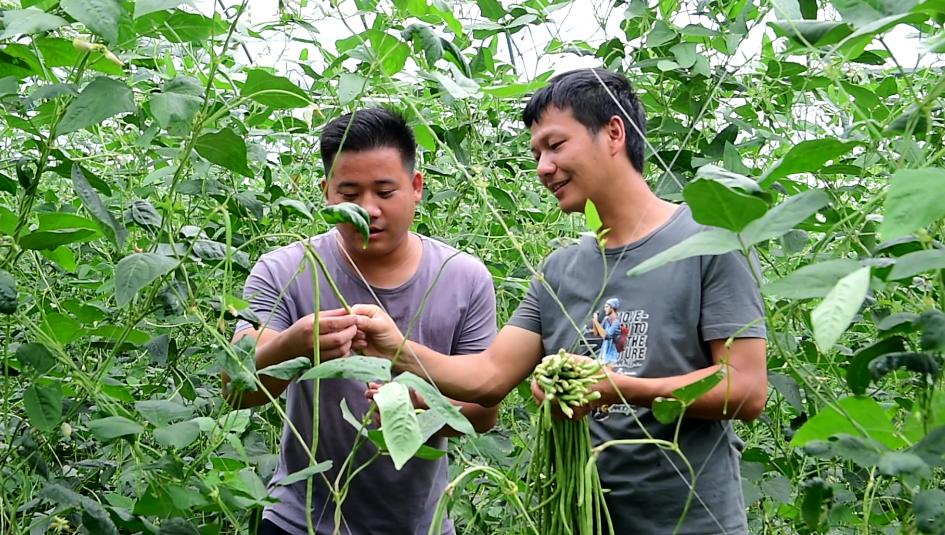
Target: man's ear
[324, 186]
[616, 132]
[417, 185]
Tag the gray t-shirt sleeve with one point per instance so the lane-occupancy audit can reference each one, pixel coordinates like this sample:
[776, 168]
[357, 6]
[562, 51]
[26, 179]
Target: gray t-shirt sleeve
[528, 313]
[479, 326]
[266, 298]
[731, 300]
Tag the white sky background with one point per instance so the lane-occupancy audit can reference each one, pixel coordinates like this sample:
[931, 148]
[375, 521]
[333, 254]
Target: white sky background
[594, 21]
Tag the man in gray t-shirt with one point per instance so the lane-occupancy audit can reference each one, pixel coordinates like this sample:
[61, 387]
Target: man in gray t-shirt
[588, 131]
[443, 298]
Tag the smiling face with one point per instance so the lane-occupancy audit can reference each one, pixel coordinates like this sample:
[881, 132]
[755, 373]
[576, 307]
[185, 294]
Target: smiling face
[378, 181]
[571, 160]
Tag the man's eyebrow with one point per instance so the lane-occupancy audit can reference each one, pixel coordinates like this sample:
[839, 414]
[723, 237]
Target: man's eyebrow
[384, 181]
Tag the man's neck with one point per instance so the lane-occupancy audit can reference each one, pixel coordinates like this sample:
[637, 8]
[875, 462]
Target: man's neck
[631, 211]
[390, 270]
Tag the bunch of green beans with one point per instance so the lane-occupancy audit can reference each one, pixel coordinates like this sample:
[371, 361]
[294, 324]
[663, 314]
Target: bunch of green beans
[563, 478]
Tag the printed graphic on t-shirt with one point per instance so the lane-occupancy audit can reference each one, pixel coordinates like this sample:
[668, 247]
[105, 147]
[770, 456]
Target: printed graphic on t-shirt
[619, 339]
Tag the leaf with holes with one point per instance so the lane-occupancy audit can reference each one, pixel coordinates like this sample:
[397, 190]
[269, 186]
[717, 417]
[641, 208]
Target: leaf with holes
[348, 212]
[400, 427]
[137, 271]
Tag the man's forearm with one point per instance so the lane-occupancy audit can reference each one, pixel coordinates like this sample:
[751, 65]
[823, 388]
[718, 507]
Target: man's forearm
[737, 396]
[471, 378]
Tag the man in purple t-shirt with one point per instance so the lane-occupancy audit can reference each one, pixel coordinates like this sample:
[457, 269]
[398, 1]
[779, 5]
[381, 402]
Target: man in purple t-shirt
[442, 297]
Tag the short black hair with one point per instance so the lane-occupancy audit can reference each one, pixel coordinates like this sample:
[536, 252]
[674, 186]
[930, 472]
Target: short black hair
[367, 129]
[592, 105]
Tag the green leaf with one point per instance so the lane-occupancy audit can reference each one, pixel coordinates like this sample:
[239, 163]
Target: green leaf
[52, 239]
[304, 473]
[350, 87]
[93, 203]
[933, 330]
[591, 217]
[437, 403]
[783, 217]
[835, 313]
[100, 16]
[898, 463]
[225, 149]
[491, 9]
[400, 427]
[175, 111]
[179, 435]
[239, 363]
[922, 363]
[709, 242]
[861, 12]
[28, 21]
[8, 300]
[808, 157]
[273, 91]
[287, 369]
[138, 270]
[391, 52]
[293, 206]
[458, 86]
[812, 280]
[712, 203]
[787, 387]
[356, 367]
[929, 509]
[144, 214]
[862, 451]
[177, 526]
[856, 416]
[36, 356]
[102, 98]
[348, 212]
[95, 518]
[162, 412]
[734, 181]
[43, 404]
[917, 262]
[667, 410]
[859, 373]
[690, 393]
[143, 7]
[916, 198]
[112, 427]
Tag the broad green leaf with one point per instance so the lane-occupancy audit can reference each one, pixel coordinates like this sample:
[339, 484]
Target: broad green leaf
[100, 16]
[356, 367]
[859, 374]
[350, 213]
[8, 298]
[491, 9]
[95, 519]
[912, 264]
[808, 157]
[273, 91]
[43, 404]
[812, 280]
[933, 330]
[504, 199]
[922, 363]
[28, 21]
[304, 473]
[36, 356]
[591, 217]
[916, 198]
[174, 111]
[350, 87]
[929, 509]
[783, 217]
[137, 271]
[667, 410]
[399, 423]
[294, 206]
[430, 423]
[391, 52]
[112, 427]
[288, 369]
[225, 149]
[861, 12]
[179, 435]
[239, 363]
[143, 7]
[835, 313]
[734, 181]
[437, 403]
[898, 463]
[712, 203]
[162, 412]
[854, 415]
[458, 86]
[709, 242]
[51, 239]
[100, 99]
[862, 451]
[144, 214]
[177, 526]
[93, 203]
[787, 387]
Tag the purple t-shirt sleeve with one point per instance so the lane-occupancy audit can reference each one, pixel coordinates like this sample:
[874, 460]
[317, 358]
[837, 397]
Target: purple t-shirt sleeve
[267, 298]
[479, 325]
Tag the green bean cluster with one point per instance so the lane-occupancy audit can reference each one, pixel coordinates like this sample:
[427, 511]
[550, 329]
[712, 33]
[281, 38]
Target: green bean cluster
[563, 476]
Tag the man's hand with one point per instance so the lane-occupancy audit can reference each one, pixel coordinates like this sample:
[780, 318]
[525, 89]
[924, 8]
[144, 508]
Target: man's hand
[338, 334]
[382, 338]
[415, 399]
[580, 411]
